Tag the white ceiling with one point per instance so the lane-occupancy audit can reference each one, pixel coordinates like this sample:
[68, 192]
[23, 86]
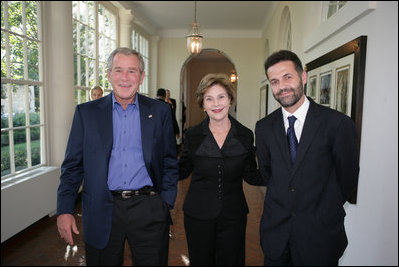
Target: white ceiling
[165, 17]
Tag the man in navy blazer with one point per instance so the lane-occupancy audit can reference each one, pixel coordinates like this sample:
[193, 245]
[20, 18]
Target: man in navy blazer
[308, 176]
[123, 147]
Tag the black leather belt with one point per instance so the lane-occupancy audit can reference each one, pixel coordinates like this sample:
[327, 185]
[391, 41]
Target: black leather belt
[146, 190]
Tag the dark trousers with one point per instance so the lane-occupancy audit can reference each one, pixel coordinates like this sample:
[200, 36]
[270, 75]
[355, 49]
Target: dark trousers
[144, 221]
[219, 242]
[291, 257]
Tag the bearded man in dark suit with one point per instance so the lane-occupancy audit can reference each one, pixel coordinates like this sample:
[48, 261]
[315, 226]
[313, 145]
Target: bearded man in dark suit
[310, 166]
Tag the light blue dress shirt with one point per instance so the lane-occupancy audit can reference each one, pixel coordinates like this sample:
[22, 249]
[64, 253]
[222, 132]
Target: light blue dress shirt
[127, 169]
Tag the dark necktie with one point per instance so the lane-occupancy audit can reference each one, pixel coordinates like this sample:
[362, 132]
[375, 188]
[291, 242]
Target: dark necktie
[292, 141]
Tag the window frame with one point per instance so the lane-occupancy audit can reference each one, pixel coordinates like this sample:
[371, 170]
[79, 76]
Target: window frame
[84, 90]
[26, 83]
[141, 44]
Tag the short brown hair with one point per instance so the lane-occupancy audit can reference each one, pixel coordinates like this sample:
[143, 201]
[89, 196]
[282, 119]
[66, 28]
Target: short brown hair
[212, 79]
[97, 87]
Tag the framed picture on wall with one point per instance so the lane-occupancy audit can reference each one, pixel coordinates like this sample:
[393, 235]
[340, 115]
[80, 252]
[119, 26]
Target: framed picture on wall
[312, 87]
[325, 88]
[341, 93]
[340, 74]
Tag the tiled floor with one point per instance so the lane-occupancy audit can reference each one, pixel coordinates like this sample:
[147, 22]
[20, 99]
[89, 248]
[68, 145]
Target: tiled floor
[40, 245]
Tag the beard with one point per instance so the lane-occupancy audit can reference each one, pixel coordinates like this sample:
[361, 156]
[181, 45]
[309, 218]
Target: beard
[289, 101]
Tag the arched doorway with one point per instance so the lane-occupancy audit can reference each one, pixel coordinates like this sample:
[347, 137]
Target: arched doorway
[193, 69]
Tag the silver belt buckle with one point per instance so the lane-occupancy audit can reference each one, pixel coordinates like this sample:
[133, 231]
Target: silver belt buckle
[124, 194]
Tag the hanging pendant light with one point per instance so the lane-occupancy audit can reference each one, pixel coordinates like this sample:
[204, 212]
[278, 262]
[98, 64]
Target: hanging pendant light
[194, 39]
[233, 76]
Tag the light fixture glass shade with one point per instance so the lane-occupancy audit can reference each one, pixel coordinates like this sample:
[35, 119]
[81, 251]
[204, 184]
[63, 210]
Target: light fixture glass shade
[194, 40]
[233, 76]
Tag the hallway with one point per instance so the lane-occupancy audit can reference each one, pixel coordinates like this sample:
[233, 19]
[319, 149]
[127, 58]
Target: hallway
[40, 245]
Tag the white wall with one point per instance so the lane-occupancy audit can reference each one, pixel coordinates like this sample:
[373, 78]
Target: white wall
[26, 202]
[372, 224]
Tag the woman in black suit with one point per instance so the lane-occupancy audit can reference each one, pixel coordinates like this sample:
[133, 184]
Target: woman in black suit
[219, 153]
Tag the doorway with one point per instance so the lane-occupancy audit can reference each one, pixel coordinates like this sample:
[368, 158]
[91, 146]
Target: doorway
[193, 69]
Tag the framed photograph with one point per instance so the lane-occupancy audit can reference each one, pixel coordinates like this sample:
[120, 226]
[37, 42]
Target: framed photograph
[341, 94]
[312, 87]
[346, 65]
[325, 88]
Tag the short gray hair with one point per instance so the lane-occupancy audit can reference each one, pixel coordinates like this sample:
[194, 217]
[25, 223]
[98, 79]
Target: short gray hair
[127, 52]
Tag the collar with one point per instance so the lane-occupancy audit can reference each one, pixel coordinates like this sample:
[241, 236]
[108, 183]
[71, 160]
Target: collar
[114, 101]
[300, 113]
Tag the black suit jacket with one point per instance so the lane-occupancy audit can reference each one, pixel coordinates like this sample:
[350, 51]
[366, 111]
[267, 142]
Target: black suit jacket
[174, 119]
[304, 201]
[217, 174]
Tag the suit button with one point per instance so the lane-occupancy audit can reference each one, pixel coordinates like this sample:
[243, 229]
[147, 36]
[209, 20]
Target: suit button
[292, 189]
[293, 214]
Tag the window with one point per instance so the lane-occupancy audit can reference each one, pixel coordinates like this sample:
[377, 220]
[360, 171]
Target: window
[332, 7]
[285, 29]
[94, 38]
[140, 44]
[22, 114]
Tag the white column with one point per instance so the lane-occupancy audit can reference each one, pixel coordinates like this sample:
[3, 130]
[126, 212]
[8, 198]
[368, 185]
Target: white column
[59, 80]
[153, 65]
[126, 20]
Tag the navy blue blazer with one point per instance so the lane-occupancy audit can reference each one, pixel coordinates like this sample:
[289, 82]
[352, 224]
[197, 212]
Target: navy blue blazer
[87, 156]
[304, 201]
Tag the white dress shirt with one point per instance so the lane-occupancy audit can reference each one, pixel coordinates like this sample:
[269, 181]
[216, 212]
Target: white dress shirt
[300, 115]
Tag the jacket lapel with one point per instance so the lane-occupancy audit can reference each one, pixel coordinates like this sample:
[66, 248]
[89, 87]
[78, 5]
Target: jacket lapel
[105, 123]
[147, 128]
[310, 128]
[281, 137]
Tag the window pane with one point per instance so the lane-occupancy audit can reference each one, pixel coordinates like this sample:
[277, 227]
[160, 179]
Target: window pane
[83, 97]
[90, 5]
[20, 149]
[33, 60]
[75, 36]
[75, 68]
[16, 57]
[82, 71]
[3, 54]
[83, 12]
[18, 105]
[5, 154]
[91, 43]
[34, 105]
[35, 145]
[92, 73]
[76, 97]
[83, 39]
[101, 76]
[31, 19]
[15, 16]
[75, 9]
[2, 15]
[4, 106]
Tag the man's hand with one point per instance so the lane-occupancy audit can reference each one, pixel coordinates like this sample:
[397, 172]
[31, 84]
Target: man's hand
[64, 223]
